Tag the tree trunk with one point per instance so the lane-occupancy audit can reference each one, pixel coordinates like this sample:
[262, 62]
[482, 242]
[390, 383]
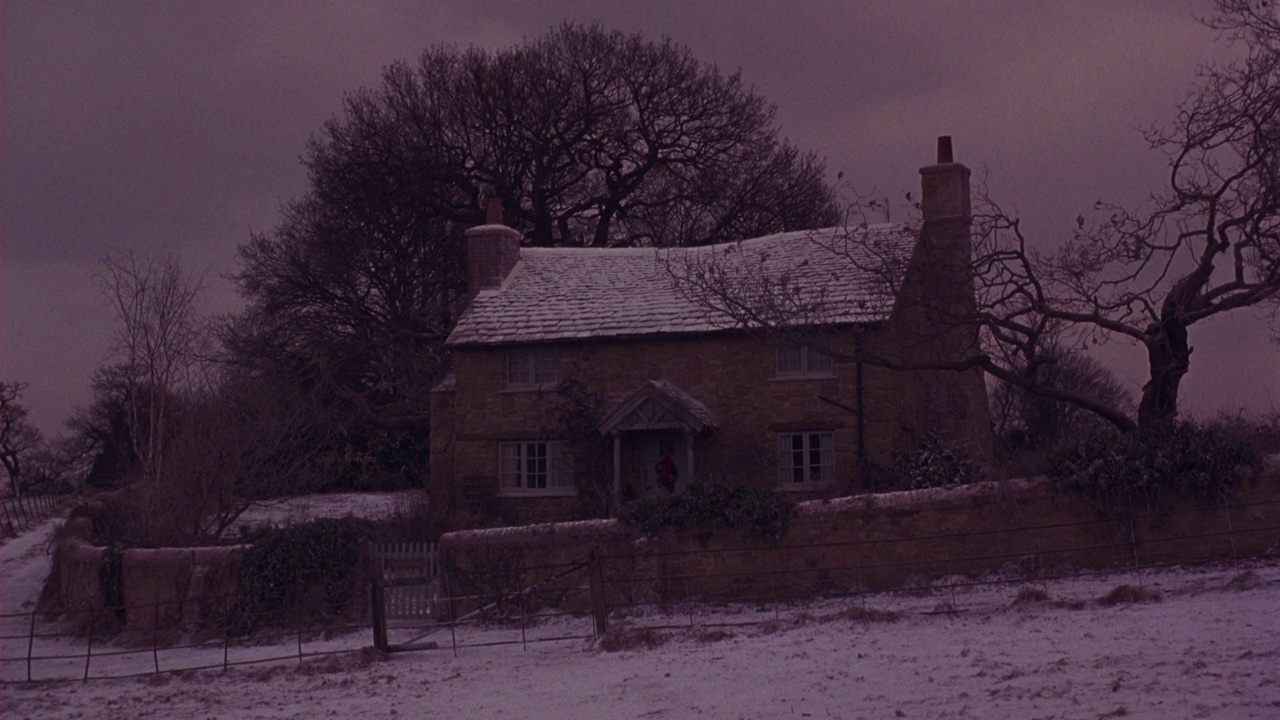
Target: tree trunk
[1168, 358]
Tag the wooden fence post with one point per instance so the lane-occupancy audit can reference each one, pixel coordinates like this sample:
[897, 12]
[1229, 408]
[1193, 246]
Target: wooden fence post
[88, 651]
[379, 615]
[31, 643]
[595, 580]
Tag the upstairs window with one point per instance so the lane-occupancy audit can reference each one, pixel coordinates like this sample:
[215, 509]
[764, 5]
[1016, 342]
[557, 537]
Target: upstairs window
[805, 459]
[531, 368]
[534, 468]
[801, 361]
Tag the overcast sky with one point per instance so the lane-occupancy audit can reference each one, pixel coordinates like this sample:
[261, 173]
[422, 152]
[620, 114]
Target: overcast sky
[177, 127]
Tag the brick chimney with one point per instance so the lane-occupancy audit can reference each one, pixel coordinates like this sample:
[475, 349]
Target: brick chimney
[945, 239]
[944, 187]
[940, 312]
[492, 250]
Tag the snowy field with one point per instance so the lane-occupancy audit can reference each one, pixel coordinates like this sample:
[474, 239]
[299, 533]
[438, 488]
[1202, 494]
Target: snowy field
[1209, 647]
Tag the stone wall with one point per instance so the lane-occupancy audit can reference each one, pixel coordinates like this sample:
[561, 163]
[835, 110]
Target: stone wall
[187, 588]
[179, 590]
[887, 541]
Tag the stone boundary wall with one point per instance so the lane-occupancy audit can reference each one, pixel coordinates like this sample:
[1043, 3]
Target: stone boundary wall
[168, 591]
[1017, 528]
[189, 588]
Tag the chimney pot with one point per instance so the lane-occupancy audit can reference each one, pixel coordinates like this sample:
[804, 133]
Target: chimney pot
[493, 250]
[944, 187]
[493, 211]
[944, 150]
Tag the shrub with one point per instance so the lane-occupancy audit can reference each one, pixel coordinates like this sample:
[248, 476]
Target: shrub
[928, 464]
[307, 569]
[761, 513]
[1182, 460]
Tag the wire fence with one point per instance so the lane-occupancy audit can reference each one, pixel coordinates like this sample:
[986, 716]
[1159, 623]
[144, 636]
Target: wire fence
[91, 645]
[946, 564]
[21, 512]
[506, 601]
[515, 604]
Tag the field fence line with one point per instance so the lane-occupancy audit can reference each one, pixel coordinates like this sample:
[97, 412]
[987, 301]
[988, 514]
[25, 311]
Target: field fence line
[523, 602]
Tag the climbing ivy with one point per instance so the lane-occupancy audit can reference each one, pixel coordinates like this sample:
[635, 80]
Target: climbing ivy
[761, 513]
[305, 572]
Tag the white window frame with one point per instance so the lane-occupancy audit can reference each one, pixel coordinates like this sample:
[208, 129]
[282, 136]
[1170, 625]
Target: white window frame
[531, 368]
[534, 468]
[806, 460]
[792, 362]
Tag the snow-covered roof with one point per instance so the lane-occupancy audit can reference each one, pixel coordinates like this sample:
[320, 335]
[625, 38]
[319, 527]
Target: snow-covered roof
[833, 276]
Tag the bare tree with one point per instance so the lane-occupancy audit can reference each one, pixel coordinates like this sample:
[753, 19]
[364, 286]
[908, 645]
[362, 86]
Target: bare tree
[19, 439]
[158, 344]
[1209, 245]
[238, 441]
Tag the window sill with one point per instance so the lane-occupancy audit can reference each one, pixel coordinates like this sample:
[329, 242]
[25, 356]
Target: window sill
[803, 376]
[548, 492]
[546, 387]
[803, 487]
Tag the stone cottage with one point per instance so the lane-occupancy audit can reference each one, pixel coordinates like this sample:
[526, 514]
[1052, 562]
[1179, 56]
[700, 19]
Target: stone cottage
[586, 378]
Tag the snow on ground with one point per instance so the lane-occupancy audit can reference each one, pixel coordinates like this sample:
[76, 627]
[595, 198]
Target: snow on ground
[24, 562]
[1210, 648]
[287, 511]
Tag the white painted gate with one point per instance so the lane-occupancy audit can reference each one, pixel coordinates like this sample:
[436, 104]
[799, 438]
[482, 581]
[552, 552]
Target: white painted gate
[409, 560]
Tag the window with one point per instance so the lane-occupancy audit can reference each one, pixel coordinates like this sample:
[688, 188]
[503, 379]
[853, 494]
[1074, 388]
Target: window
[805, 459]
[531, 368]
[799, 361]
[534, 468]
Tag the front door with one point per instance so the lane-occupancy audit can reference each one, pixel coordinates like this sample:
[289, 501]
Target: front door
[663, 463]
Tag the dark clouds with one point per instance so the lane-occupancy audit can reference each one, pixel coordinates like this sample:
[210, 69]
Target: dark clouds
[177, 126]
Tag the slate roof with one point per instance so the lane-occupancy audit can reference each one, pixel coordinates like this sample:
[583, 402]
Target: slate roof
[828, 276]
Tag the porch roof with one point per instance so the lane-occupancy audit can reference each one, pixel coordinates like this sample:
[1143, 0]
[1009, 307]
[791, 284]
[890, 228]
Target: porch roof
[659, 405]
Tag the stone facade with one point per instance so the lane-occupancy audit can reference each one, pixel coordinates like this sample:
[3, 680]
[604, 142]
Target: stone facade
[643, 413]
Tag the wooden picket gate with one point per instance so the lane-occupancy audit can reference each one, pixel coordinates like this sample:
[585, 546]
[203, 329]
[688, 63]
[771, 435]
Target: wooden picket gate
[402, 561]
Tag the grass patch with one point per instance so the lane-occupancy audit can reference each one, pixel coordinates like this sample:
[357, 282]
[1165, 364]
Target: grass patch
[1029, 595]
[710, 635]
[623, 637]
[857, 613]
[1128, 594]
[1247, 580]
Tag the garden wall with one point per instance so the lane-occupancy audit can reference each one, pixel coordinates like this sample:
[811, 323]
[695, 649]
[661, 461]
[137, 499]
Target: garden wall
[188, 588]
[880, 542]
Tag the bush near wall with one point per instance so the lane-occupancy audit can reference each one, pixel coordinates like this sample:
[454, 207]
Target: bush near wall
[1155, 465]
[306, 573]
[762, 514]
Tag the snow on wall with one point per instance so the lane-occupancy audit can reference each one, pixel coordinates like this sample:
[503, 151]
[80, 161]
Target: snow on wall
[542, 533]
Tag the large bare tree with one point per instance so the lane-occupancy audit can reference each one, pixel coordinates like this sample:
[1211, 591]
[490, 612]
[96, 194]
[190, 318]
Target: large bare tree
[588, 137]
[1208, 245]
